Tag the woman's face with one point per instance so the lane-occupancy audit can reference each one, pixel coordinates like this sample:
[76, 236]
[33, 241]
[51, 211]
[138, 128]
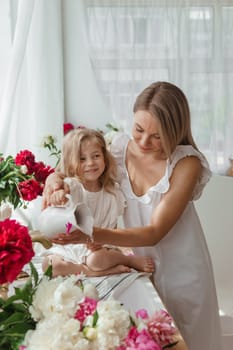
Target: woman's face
[146, 133]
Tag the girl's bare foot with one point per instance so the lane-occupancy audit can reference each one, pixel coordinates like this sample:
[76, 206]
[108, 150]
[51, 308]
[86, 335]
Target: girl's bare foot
[141, 263]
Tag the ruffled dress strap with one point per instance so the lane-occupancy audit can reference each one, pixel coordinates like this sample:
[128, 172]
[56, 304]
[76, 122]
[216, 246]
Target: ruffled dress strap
[118, 149]
[183, 151]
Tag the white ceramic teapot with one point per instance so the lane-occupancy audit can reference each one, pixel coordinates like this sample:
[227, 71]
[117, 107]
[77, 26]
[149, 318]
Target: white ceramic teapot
[55, 220]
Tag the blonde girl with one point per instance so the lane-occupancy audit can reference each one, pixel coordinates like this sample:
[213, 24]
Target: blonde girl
[89, 171]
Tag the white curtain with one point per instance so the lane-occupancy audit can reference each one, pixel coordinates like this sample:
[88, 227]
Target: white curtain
[189, 43]
[32, 103]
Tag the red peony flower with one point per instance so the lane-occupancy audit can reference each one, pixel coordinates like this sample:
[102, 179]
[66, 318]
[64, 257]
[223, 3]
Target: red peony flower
[67, 127]
[15, 249]
[30, 189]
[41, 171]
[26, 158]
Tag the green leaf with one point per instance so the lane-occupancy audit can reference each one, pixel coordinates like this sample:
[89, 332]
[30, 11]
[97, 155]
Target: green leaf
[132, 321]
[34, 273]
[170, 345]
[12, 319]
[9, 301]
[49, 272]
[3, 316]
[19, 330]
[95, 318]
[111, 127]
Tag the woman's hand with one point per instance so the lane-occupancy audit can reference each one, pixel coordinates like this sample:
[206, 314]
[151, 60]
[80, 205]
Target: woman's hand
[54, 182]
[58, 198]
[73, 237]
[94, 246]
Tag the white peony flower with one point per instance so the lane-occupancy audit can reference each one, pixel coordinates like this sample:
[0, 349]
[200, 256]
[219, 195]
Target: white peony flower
[5, 211]
[113, 324]
[90, 291]
[58, 295]
[56, 332]
[67, 295]
[24, 169]
[48, 139]
[90, 333]
[109, 137]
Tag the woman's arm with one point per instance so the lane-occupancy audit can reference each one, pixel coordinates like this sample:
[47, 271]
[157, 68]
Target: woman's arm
[54, 182]
[182, 183]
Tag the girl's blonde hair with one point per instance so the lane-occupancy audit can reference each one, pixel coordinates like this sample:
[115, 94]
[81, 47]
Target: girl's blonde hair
[69, 164]
[169, 104]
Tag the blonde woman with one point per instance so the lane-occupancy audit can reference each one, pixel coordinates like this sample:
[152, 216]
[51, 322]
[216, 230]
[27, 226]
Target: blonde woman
[161, 173]
[89, 172]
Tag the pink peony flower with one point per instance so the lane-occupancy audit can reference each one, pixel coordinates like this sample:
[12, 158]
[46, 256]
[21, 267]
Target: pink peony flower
[68, 227]
[142, 313]
[139, 340]
[86, 308]
[160, 327]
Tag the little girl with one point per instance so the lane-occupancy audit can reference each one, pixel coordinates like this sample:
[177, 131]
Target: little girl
[89, 170]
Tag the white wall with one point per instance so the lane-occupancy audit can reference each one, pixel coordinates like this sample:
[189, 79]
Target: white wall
[83, 103]
[215, 210]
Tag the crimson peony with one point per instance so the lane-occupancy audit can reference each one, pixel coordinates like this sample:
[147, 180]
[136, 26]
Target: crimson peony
[15, 249]
[67, 127]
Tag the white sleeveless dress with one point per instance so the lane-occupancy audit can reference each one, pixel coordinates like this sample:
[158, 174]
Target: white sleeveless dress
[105, 208]
[184, 275]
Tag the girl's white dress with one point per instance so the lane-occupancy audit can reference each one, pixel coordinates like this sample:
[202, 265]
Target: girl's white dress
[184, 275]
[105, 208]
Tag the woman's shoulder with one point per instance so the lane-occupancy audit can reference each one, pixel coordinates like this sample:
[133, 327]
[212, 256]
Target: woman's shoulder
[119, 143]
[183, 152]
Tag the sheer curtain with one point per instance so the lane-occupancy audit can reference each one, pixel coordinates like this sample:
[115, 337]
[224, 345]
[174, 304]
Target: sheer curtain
[189, 43]
[32, 103]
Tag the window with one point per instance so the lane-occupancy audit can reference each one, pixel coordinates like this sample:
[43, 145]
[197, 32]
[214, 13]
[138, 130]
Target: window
[134, 44]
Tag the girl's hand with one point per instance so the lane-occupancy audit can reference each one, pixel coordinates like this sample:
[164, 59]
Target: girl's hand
[74, 237]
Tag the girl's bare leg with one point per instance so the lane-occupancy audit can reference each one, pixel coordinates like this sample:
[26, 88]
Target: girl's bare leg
[65, 268]
[105, 258]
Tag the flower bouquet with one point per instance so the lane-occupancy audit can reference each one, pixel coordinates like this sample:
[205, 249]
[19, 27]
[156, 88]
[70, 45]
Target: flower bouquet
[64, 313]
[21, 178]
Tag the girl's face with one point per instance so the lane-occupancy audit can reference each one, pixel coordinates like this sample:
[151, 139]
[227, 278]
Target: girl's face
[92, 163]
[146, 133]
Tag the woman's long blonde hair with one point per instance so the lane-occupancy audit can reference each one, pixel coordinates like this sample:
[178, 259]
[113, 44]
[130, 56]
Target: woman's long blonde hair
[169, 104]
[69, 164]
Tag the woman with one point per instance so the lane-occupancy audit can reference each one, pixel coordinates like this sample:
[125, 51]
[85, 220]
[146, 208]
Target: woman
[161, 172]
